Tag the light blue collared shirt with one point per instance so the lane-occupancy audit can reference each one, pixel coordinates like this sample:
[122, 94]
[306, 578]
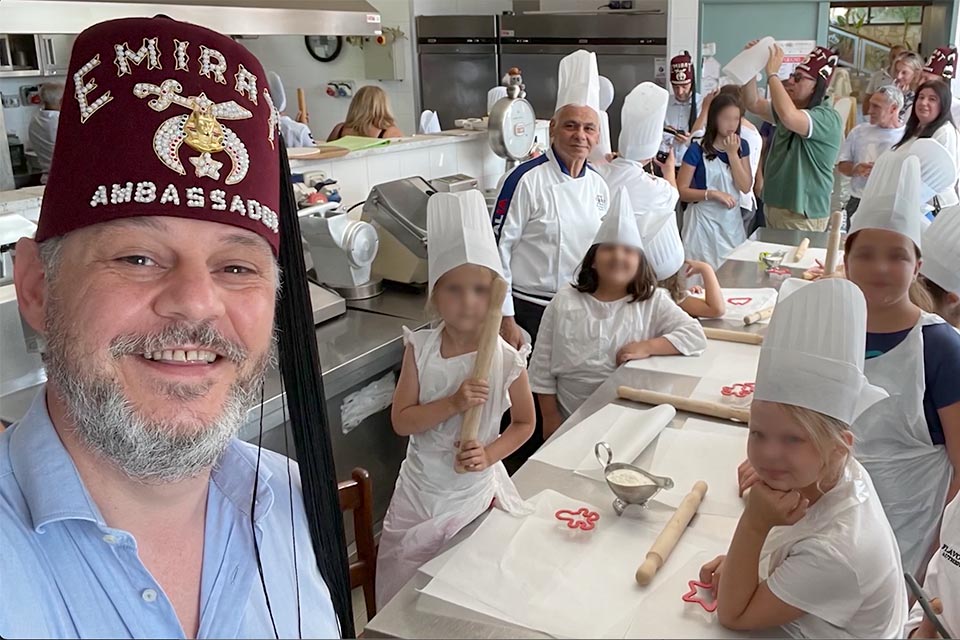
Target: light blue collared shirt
[65, 574]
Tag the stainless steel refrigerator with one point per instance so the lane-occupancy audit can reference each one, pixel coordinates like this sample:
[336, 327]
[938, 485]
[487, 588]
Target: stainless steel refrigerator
[627, 47]
[458, 65]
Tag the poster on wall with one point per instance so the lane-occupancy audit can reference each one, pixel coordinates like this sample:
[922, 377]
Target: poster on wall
[794, 51]
[660, 68]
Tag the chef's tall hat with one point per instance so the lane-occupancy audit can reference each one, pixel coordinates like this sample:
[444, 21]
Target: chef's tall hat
[166, 118]
[606, 93]
[459, 233]
[277, 91]
[579, 81]
[661, 242]
[681, 69]
[619, 226]
[641, 121]
[495, 95]
[599, 152]
[941, 250]
[943, 63]
[804, 365]
[898, 186]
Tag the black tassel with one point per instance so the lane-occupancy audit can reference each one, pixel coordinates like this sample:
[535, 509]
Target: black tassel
[300, 368]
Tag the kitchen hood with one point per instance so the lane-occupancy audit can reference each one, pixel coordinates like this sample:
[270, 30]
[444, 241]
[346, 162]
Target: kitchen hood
[235, 17]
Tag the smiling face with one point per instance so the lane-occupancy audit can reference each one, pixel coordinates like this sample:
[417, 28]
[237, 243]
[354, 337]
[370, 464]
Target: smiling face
[575, 131]
[616, 264]
[927, 106]
[883, 264]
[906, 75]
[792, 448]
[462, 296]
[159, 331]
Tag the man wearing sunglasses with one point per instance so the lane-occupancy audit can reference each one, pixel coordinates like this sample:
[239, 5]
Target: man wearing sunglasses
[798, 174]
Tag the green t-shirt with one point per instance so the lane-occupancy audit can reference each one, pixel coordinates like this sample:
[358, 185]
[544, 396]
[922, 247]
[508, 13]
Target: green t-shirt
[798, 174]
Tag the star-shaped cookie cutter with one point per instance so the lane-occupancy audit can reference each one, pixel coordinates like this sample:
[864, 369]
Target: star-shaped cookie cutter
[582, 518]
[694, 595]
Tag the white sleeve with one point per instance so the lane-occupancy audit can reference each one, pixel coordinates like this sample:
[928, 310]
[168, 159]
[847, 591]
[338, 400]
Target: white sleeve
[947, 136]
[848, 146]
[509, 229]
[542, 379]
[816, 578]
[677, 326]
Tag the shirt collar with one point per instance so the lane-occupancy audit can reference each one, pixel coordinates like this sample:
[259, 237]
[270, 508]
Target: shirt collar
[53, 490]
[563, 168]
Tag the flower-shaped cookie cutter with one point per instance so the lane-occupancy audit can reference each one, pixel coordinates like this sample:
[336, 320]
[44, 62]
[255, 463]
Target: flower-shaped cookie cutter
[738, 390]
[582, 518]
[693, 595]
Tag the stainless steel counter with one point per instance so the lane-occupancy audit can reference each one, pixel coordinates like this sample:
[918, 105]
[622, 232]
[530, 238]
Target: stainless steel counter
[397, 301]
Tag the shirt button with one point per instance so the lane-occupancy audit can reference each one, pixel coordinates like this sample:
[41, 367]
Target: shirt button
[110, 539]
[148, 595]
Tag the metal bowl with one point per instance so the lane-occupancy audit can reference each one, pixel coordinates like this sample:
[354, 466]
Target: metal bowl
[628, 494]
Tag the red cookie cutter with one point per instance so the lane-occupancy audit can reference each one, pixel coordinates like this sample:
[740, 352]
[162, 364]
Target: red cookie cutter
[740, 301]
[739, 390]
[582, 518]
[694, 595]
[779, 271]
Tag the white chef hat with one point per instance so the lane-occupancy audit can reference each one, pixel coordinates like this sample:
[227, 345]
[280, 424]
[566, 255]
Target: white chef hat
[807, 364]
[579, 81]
[661, 242]
[900, 183]
[494, 95]
[619, 226]
[641, 121]
[599, 153]
[941, 250]
[606, 93]
[458, 233]
[277, 93]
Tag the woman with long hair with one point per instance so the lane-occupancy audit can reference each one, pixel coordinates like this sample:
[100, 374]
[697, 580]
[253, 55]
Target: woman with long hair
[368, 116]
[908, 75]
[931, 119]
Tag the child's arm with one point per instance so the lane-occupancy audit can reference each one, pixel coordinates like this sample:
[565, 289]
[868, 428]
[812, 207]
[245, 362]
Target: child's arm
[713, 306]
[476, 457]
[542, 380]
[744, 602]
[550, 409]
[677, 333]
[643, 349]
[410, 417]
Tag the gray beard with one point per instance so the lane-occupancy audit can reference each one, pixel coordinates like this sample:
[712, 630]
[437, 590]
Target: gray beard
[148, 450]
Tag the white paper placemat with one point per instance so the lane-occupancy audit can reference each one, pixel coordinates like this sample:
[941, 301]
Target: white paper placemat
[742, 302]
[701, 450]
[627, 430]
[750, 250]
[721, 360]
[537, 573]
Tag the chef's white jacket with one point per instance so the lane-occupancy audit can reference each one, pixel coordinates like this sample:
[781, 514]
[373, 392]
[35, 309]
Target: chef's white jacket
[580, 336]
[943, 574]
[544, 221]
[43, 135]
[295, 134]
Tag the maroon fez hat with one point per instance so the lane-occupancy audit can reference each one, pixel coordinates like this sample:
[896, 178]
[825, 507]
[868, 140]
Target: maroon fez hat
[821, 63]
[681, 69]
[943, 63]
[164, 118]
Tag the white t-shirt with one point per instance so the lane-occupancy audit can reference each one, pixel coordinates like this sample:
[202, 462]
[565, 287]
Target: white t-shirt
[754, 140]
[943, 574]
[840, 564]
[865, 143]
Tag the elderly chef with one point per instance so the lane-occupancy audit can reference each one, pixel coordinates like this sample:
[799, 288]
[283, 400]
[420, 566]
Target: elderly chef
[942, 65]
[641, 130]
[549, 208]
[685, 103]
[295, 134]
[128, 507]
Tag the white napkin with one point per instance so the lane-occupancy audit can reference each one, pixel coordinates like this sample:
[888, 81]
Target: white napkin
[742, 302]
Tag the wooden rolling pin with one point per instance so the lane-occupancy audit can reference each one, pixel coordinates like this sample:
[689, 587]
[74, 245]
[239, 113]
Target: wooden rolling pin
[489, 341]
[833, 244]
[691, 405]
[671, 533]
[757, 316]
[801, 250]
[303, 115]
[726, 335]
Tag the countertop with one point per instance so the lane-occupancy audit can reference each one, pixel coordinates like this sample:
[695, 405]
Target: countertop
[25, 202]
[397, 145]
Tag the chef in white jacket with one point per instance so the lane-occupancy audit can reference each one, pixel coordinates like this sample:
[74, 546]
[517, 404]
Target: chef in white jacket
[295, 134]
[641, 130]
[943, 580]
[614, 314]
[549, 208]
[813, 552]
[910, 442]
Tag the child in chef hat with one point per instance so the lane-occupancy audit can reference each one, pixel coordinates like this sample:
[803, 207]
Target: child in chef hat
[612, 314]
[940, 270]
[813, 552]
[431, 501]
[910, 443]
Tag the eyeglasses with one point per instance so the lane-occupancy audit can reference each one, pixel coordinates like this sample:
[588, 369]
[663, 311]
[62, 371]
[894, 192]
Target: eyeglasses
[796, 76]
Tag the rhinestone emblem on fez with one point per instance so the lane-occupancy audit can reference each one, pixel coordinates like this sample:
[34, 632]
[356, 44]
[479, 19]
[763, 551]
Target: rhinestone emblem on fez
[201, 130]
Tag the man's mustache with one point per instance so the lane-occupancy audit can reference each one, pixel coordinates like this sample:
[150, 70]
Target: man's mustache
[199, 336]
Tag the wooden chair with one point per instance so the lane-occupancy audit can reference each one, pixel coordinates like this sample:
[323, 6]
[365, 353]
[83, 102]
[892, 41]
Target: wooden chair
[356, 495]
